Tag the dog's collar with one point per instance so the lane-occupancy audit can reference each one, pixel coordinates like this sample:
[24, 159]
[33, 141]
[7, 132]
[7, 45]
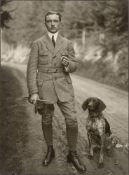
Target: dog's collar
[95, 114]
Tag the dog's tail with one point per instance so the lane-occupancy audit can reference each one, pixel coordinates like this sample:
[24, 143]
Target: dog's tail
[107, 128]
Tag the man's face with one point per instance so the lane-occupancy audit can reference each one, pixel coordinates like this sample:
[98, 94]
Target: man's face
[52, 23]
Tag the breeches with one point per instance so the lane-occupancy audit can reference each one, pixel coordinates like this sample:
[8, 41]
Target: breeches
[67, 109]
[69, 112]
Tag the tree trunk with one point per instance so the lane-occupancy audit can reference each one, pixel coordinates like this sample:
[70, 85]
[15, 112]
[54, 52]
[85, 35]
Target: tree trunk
[83, 37]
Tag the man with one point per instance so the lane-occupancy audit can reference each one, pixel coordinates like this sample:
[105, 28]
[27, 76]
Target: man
[51, 61]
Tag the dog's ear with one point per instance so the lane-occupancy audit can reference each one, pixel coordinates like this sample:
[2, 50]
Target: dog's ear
[101, 105]
[85, 104]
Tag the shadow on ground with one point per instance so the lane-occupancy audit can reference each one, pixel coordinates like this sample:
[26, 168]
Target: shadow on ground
[13, 123]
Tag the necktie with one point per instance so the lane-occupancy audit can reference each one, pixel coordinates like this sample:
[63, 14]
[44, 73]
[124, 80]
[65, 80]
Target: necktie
[53, 41]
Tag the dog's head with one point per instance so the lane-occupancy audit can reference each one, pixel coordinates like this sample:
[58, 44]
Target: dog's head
[94, 105]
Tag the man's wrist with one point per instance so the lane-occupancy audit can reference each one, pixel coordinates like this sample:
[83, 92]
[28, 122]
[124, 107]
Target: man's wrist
[35, 93]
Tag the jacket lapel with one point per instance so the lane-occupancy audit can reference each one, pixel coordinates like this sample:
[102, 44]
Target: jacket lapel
[59, 44]
[48, 43]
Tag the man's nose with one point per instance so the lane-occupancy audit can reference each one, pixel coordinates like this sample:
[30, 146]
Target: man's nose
[52, 23]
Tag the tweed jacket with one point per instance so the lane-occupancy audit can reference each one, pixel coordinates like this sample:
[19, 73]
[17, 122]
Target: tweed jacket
[45, 73]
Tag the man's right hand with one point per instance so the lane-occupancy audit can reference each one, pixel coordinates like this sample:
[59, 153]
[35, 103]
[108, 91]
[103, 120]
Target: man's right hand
[33, 98]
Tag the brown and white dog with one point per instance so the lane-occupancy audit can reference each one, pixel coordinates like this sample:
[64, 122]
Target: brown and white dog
[98, 128]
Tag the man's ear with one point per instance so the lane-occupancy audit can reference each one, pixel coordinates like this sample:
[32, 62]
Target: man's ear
[101, 105]
[85, 104]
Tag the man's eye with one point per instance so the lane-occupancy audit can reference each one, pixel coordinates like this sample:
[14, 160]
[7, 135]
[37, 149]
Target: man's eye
[55, 20]
[48, 21]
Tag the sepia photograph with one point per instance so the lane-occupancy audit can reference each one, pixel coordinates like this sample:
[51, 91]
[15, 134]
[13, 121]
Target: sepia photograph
[64, 87]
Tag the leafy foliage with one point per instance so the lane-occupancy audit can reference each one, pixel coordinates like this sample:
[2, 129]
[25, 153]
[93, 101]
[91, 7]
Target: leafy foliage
[106, 22]
[4, 15]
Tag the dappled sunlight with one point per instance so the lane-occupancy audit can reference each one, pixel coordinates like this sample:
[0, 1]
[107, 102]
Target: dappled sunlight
[18, 54]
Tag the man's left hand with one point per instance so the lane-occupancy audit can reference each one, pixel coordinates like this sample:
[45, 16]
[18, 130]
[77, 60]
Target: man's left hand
[65, 61]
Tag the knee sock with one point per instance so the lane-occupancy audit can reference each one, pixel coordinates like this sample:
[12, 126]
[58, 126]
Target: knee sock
[47, 114]
[48, 135]
[72, 134]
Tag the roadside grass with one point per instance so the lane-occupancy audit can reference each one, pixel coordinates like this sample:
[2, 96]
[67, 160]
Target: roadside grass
[13, 123]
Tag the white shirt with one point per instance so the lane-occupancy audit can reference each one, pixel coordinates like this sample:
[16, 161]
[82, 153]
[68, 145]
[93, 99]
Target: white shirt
[55, 35]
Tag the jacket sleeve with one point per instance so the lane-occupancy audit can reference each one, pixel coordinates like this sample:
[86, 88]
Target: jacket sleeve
[71, 55]
[32, 70]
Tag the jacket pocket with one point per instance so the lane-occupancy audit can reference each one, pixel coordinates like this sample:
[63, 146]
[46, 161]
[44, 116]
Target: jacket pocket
[43, 58]
[43, 61]
[43, 51]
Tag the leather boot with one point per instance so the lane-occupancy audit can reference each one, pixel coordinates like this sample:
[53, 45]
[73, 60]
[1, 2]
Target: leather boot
[74, 159]
[49, 156]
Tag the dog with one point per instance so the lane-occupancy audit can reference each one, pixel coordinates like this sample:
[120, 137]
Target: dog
[98, 128]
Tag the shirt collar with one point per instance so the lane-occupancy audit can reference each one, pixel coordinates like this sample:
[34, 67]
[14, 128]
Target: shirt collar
[51, 34]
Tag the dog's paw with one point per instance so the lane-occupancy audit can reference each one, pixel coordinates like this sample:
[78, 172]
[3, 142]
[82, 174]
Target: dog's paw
[100, 165]
[90, 157]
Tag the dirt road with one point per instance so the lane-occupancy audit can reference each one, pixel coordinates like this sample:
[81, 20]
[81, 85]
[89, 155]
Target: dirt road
[22, 145]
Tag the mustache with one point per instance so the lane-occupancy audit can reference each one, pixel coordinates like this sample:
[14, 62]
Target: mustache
[53, 27]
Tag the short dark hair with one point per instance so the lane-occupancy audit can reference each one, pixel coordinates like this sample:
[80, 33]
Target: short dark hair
[53, 13]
